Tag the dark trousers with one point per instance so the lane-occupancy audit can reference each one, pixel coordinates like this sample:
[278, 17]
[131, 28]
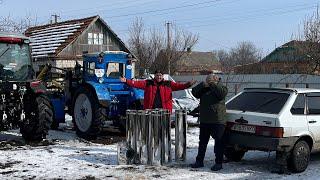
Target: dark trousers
[216, 131]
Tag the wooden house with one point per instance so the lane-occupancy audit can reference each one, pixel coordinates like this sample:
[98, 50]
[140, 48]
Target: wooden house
[62, 44]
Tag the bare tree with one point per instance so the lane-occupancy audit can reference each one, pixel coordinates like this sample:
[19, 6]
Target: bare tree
[153, 51]
[244, 53]
[145, 45]
[181, 42]
[8, 23]
[224, 59]
[309, 46]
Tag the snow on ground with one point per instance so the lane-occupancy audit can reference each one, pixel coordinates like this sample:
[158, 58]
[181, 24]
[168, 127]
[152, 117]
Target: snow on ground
[64, 156]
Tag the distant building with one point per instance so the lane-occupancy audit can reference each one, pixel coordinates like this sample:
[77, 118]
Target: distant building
[290, 58]
[196, 63]
[62, 44]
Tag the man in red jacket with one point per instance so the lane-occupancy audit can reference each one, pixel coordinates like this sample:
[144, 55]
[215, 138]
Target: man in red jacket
[157, 91]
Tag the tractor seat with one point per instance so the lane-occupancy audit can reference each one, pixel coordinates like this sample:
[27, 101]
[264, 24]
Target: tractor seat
[115, 74]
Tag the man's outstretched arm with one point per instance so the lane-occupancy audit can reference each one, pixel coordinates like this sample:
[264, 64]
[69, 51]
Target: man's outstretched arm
[140, 84]
[180, 86]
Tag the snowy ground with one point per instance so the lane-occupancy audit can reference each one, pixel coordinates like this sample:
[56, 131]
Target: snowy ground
[64, 156]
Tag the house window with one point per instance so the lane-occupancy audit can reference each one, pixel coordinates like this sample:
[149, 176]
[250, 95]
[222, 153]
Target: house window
[90, 38]
[100, 39]
[95, 38]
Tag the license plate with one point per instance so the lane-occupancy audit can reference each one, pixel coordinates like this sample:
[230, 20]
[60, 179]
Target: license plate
[243, 128]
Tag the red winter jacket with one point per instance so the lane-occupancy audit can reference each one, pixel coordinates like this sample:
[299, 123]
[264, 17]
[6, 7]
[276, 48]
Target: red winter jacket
[150, 90]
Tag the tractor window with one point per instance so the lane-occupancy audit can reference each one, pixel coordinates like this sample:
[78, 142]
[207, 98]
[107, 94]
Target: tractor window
[89, 68]
[115, 70]
[15, 61]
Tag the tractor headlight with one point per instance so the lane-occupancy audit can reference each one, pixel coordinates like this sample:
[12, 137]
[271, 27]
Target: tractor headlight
[101, 80]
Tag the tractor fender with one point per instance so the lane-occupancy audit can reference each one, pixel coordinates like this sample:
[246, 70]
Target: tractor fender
[101, 91]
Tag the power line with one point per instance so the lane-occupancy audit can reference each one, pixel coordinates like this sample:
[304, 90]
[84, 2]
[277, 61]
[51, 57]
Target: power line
[105, 5]
[103, 10]
[157, 10]
[250, 17]
[114, 9]
[165, 9]
[163, 13]
[237, 14]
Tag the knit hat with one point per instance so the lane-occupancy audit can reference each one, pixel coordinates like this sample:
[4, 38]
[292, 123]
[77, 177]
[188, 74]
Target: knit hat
[212, 78]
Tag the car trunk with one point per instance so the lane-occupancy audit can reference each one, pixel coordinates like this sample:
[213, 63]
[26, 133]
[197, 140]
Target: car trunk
[256, 113]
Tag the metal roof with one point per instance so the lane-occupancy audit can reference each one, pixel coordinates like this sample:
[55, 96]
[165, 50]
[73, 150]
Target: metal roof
[51, 39]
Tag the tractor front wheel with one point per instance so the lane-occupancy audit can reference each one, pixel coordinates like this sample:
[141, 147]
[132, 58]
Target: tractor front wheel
[37, 120]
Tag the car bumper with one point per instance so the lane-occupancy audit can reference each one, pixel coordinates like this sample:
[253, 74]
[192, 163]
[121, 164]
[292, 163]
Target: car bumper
[251, 142]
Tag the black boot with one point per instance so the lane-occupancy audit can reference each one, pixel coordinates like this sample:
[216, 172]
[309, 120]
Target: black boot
[197, 164]
[216, 167]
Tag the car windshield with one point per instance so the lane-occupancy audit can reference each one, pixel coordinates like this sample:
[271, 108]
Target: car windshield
[263, 102]
[15, 63]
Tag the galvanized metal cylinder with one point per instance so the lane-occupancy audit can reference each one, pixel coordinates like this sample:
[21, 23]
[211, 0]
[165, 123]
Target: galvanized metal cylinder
[180, 135]
[131, 142]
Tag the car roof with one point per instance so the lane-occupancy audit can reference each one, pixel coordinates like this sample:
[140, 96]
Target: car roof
[297, 90]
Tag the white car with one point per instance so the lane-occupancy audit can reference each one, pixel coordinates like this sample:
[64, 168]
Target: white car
[285, 120]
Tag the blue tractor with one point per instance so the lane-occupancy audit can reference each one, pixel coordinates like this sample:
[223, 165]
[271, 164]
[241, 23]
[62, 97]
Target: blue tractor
[94, 95]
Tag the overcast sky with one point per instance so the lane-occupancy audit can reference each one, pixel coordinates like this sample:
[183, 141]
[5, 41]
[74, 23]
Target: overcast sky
[221, 24]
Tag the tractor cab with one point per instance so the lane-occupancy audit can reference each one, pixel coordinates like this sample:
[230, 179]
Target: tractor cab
[15, 60]
[107, 67]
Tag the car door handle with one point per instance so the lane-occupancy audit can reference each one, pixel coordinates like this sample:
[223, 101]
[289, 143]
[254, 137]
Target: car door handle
[312, 121]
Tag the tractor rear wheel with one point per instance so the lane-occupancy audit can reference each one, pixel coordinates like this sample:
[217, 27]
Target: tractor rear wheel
[37, 120]
[87, 114]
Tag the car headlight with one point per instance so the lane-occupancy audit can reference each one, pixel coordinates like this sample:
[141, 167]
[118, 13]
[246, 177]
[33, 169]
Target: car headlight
[101, 80]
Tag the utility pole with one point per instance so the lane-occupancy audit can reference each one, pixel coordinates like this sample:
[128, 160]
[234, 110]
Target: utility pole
[168, 45]
[55, 17]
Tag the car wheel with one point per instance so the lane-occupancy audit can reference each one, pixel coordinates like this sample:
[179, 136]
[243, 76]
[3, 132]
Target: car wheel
[300, 156]
[234, 155]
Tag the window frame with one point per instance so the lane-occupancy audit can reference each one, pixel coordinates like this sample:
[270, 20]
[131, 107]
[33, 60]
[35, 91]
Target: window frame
[95, 38]
[122, 72]
[307, 102]
[305, 105]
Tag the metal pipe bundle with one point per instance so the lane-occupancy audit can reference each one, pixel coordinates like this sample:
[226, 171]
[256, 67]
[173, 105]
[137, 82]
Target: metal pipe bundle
[148, 136]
